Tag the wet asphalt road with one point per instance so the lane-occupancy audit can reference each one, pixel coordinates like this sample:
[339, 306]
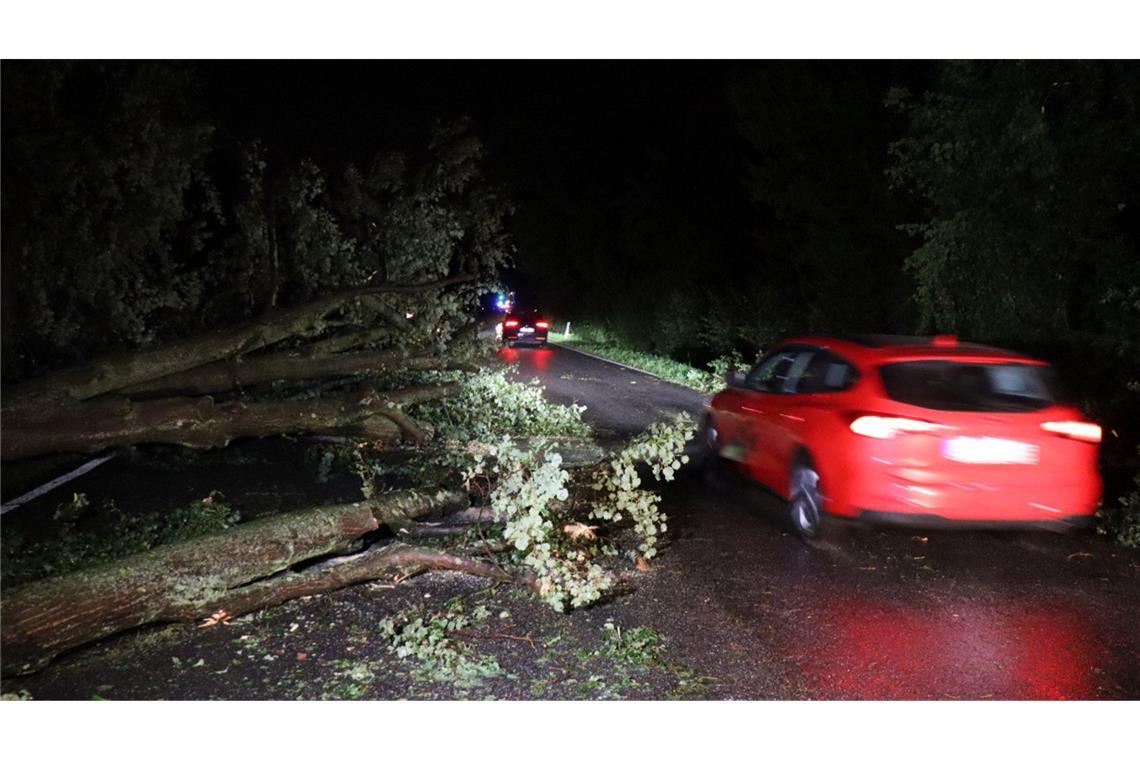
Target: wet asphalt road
[886, 614]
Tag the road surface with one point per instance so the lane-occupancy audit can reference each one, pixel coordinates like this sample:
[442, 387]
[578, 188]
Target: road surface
[888, 614]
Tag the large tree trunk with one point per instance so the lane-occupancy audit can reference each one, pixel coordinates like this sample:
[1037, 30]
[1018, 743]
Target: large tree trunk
[132, 368]
[200, 423]
[240, 373]
[236, 571]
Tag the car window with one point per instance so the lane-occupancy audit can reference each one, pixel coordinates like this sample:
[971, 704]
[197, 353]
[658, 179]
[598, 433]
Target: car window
[777, 373]
[802, 360]
[826, 373]
[970, 387]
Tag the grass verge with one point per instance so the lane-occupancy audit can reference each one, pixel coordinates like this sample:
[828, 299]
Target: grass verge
[593, 341]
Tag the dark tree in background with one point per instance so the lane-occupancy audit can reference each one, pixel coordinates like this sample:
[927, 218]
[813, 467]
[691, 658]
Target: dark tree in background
[1029, 230]
[827, 254]
[1027, 173]
[747, 202]
[106, 208]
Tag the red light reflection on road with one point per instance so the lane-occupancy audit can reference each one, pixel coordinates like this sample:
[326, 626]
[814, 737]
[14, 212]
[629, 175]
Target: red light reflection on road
[542, 359]
[864, 649]
[538, 358]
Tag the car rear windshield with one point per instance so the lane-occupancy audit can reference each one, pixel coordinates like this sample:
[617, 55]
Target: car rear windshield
[971, 387]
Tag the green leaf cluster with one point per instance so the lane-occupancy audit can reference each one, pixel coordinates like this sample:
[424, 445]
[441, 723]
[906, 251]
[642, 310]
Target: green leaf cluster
[531, 492]
[491, 405]
[429, 642]
[661, 448]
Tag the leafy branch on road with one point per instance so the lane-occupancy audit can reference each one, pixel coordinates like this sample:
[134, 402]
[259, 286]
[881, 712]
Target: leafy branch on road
[538, 500]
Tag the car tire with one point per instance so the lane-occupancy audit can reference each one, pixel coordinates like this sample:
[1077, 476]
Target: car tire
[805, 506]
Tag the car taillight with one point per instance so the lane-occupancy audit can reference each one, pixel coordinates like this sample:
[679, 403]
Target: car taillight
[1082, 431]
[889, 427]
[512, 323]
[543, 325]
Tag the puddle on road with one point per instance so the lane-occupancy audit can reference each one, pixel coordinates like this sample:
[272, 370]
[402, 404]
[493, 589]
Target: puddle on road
[861, 648]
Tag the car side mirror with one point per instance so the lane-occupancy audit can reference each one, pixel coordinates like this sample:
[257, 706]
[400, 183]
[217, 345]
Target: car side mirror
[734, 378]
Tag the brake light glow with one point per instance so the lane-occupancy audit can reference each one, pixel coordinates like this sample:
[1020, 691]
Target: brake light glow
[512, 323]
[543, 325]
[889, 427]
[1082, 431]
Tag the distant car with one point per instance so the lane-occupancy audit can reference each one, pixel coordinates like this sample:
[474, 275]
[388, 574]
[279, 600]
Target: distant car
[524, 327]
[927, 432]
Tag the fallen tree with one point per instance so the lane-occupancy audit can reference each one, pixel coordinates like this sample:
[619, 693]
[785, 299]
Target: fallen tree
[124, 400]
[239, 570]
[252, 566]
[110, 373]
[200, 423]
[295, 301]
[317, 550]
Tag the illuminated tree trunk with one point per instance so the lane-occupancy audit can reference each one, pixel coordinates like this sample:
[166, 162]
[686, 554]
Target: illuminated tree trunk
[234, 572]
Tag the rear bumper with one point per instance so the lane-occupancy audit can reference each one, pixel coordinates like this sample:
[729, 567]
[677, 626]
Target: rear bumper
[525, 338]
[921, 496]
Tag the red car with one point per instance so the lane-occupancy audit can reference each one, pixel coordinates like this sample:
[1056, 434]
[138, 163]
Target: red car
[523, 326]
[927, 432]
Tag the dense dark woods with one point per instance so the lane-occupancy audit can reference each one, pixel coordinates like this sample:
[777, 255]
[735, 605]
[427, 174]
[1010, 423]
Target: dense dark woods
[690, 209]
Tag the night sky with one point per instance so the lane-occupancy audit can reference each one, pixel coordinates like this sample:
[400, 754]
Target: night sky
[560, 134]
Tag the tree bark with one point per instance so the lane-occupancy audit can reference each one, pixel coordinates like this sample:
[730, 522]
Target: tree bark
[200, 423]
[238, 373]
[121, 370]
[235, 570]
[351, 339]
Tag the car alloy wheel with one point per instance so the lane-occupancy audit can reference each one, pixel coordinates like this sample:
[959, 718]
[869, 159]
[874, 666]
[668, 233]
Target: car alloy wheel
[714, 468]
[711, 436]
[806, 504]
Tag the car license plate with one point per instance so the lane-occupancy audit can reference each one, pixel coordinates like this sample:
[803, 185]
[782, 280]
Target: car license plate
[988, 450]
[526, 329]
